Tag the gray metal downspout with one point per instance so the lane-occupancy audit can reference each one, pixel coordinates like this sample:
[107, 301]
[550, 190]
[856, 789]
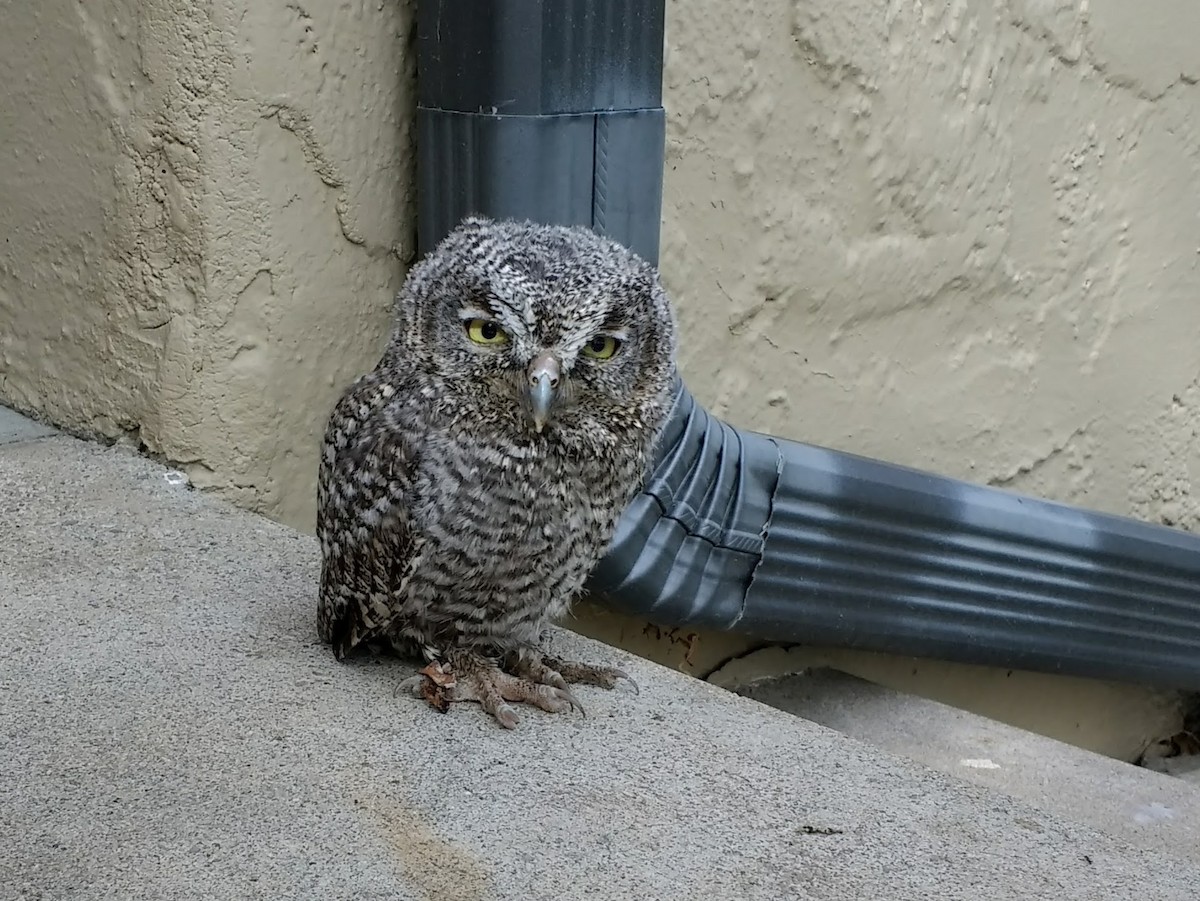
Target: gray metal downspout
[552, 111]
[548, 110]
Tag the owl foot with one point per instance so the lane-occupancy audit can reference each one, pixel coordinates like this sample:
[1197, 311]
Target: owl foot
[493, 689]
[472, 677]
[556, 671]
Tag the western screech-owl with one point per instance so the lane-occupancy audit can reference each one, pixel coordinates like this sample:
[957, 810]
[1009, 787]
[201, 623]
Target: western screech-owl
[470, 483]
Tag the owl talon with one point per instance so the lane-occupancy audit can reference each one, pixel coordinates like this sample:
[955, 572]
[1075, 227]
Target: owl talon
[411, 685]
[587, 674]
[506, 716]
[567, 695]
[622, 674]
[470, 678]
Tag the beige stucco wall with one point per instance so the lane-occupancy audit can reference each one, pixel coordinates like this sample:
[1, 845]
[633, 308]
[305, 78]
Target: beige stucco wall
[958, 235]
[205, 209]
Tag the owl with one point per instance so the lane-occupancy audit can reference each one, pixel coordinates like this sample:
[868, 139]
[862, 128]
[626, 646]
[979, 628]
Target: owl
[470, 482]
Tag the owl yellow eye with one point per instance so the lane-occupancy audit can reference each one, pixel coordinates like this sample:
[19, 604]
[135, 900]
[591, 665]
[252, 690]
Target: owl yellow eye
[484, 331]
[601, 347]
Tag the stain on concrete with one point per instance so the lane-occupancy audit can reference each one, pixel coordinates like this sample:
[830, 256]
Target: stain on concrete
[443, 870]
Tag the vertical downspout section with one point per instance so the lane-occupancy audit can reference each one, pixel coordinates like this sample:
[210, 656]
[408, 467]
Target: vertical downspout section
[549, 110]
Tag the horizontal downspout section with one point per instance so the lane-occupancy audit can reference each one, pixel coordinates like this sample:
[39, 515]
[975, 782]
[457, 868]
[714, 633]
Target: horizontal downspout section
[737, 531]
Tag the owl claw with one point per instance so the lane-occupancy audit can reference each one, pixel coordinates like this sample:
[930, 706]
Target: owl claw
[469, 677]
[570, 698]
[506, 716]
[544, 675]
[493, 689]
[587, 674]
[627, 677]
[411, 685]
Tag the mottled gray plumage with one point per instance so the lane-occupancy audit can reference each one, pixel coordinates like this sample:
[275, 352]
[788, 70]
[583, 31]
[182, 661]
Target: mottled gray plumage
[469, 484]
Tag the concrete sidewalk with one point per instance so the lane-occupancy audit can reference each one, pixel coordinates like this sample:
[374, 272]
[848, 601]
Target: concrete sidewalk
[171, 728]
[1149, 809]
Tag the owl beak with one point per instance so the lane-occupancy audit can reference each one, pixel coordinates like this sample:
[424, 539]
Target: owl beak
[543, 377]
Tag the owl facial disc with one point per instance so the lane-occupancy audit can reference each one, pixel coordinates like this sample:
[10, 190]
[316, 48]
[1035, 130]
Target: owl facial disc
[543, 378]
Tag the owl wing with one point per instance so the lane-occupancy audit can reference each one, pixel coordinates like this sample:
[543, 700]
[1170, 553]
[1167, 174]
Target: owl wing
[368, 463]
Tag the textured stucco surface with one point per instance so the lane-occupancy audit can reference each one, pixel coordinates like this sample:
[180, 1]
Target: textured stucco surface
[206, 205]
[957, 235]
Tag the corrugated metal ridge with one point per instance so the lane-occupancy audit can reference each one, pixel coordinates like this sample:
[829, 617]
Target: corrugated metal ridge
[539, 57]
[868, 555]
[836, 549]
[687, 545]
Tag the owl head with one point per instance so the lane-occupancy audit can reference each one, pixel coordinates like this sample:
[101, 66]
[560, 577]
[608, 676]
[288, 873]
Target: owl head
[541, 330]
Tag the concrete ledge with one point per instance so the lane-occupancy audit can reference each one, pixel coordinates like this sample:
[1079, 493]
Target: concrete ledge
[1147, 808]
[172, 729]
[14, 427]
